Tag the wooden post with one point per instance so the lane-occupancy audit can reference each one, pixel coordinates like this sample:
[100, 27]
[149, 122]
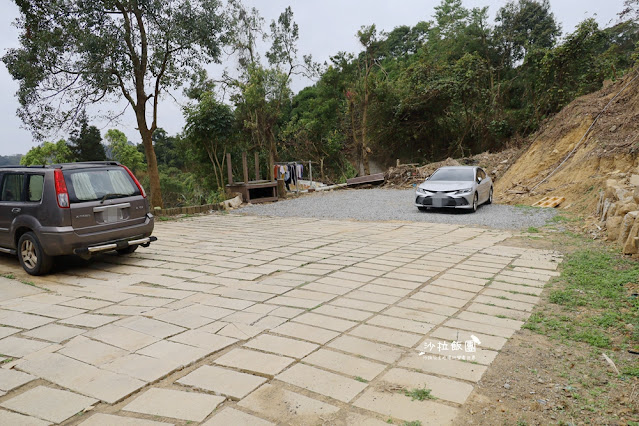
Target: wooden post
[271, 166]
[244, 167]
[229, 168]
[257, 166]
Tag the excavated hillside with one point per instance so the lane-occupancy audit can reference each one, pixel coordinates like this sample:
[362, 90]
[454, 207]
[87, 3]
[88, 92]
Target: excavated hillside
[573, 158]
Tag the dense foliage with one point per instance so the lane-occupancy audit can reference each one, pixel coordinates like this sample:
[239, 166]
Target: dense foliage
[454, 85]
[77, 53]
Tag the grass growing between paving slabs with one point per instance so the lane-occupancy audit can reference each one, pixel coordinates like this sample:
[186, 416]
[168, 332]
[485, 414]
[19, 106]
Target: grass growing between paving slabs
[419, 394]
[553, 371]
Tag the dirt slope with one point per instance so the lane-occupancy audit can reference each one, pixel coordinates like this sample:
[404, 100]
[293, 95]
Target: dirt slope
[610, 150]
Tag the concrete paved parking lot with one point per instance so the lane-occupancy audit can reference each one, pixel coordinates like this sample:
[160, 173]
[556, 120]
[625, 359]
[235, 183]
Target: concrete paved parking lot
[231, 320]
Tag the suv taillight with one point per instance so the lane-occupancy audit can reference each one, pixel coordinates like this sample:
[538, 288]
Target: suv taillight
[62, 195]
[134, 180]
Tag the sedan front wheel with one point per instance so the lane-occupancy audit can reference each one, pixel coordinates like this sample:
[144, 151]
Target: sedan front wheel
[475, 202]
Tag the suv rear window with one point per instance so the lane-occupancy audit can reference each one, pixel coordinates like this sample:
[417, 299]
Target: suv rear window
[96, 184]
[36, 184]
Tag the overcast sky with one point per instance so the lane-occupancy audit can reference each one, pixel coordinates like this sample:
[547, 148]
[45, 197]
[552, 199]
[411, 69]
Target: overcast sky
[326, 27]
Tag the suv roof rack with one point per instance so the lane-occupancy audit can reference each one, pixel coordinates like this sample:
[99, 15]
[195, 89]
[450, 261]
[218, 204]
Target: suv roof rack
[66, 165]
[85, 163]
[22, 167]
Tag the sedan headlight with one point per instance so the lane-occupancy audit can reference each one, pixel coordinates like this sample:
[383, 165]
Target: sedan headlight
[463, 191]
[423, 191]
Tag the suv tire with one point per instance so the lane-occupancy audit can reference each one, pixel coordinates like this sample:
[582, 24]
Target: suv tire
[128, 250]
[31, 255]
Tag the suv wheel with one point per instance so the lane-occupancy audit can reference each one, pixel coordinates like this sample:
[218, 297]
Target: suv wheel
[31, 255]
[128, 250]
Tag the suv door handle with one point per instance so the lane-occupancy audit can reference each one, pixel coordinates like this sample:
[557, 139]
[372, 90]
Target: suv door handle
[16, 210]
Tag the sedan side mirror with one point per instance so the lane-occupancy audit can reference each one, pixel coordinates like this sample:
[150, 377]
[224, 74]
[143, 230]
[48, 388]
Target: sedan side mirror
[479, 179]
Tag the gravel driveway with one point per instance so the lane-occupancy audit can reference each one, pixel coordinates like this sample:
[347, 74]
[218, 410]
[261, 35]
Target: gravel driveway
[395, 204]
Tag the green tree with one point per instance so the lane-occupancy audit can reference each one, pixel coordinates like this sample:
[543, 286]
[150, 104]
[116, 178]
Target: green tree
[48, 153]
[209, 126]
[524, 26]
[166, 148]
[361, 97]
[75, 53]
[262, 94]
[123, 151]
[85, 142]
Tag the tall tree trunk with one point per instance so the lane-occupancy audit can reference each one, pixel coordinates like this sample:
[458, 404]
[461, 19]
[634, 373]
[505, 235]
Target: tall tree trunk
[152, 162]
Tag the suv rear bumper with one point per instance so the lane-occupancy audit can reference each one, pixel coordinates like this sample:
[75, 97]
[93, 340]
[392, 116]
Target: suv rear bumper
[69, 242]
[118, 245]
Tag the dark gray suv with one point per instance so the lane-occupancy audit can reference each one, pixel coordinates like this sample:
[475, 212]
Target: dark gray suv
[75, 208]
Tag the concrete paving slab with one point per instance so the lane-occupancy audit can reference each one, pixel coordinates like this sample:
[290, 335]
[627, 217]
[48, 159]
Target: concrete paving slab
[49, 404]
[346, 364]
[281, 345]
[121, 337]
[230, 416]
[284, 406]
[91, 351]
[190, 406]
[450, 390]
[201, 339]
[11, 379]
[386, 335]
[253, 361]
[399, 406]
[323, 321]
[100, 419]
[223, 381]
[306, 332]
[141, 367]
[367, 348]
[149, 326]
[89, 320]
[320, 381]
[444, 367]
[15, 419]
[178, 353]
[54, 333]
[19, 347]
[22, 320]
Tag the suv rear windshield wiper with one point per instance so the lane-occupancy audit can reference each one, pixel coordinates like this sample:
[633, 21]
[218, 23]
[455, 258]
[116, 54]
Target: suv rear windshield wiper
[113, 194]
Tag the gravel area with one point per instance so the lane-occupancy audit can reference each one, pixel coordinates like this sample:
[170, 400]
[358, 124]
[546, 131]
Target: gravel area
[393, 204]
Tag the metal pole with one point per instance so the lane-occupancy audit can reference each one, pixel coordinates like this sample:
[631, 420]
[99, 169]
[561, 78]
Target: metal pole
[310, 171]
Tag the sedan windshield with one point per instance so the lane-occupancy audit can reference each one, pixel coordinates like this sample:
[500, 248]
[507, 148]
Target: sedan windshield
[453, 175]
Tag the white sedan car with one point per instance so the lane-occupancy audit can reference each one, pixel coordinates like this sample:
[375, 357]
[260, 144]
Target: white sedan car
[461, 187]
